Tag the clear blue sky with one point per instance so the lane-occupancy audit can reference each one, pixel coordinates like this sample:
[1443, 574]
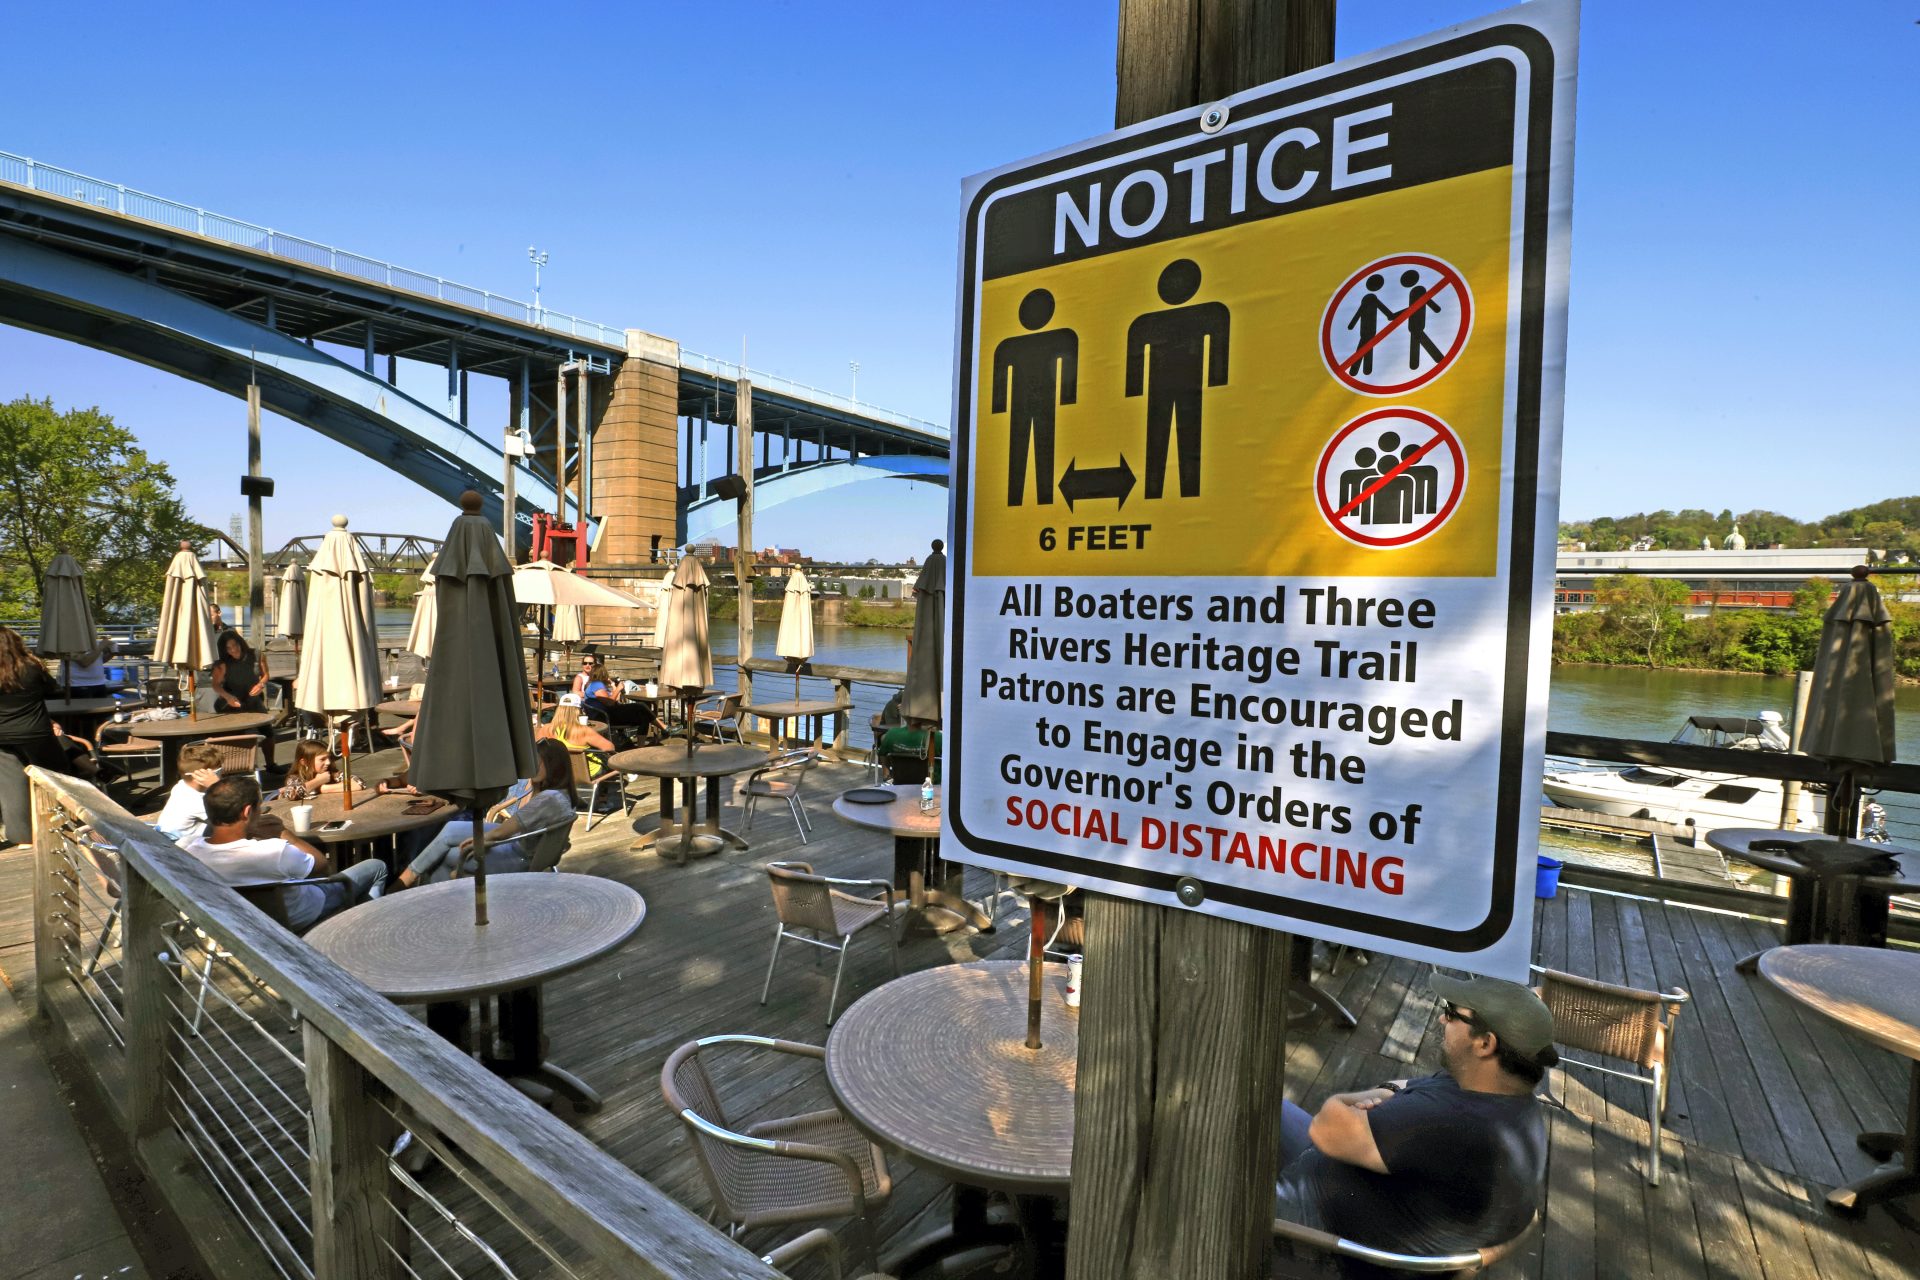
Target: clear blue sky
[788, 175]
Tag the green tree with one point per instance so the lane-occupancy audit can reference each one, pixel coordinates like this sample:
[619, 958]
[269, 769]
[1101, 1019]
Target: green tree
[76, 482]
[1648, 609]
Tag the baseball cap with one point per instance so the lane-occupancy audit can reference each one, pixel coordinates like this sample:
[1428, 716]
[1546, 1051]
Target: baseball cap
[569, 700]
[1513, 1012]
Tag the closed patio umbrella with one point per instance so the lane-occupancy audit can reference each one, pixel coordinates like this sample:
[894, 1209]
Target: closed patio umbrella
[686, 658]
[66, 618]
[339, 670]
[186, 638]
[426, 619]
[475, 735]
[796, 624]
[663, 613]
[1850, 706]
[290, 619]
[926, 664]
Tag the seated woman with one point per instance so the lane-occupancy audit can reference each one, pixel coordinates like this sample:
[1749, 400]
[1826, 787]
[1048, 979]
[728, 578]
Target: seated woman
[312, 772]
[570, 731]
[605, 698]
[239, 675]
[547, 802]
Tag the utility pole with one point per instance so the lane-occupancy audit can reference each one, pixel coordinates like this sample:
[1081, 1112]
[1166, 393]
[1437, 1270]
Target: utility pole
[256, 528]
[855, 366]
[1182, 1027]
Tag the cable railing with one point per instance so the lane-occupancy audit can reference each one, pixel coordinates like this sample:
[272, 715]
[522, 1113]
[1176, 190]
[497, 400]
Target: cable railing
[298, 1124]
[733, 372]
[55, 181]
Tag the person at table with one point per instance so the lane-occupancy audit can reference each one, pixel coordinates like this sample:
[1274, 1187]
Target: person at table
[547, 801]
[584, 676]
[26, 734]
[313, 772]
[605, 700]
[184, 816]
[1447, 1163]
[570, 731]
[905, 750]
[86, 675]
[244, 846]
[239, 676]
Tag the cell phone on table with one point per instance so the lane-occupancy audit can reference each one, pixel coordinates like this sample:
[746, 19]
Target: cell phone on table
[339, 824]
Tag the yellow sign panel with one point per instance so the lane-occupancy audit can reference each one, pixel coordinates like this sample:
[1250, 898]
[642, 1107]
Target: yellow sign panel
[1197, 410]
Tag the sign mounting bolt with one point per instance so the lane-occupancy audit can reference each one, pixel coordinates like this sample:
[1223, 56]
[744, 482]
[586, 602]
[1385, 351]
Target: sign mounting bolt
[1214, 118]
[1190, 891]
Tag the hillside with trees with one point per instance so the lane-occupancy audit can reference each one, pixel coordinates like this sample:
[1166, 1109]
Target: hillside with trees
[1890, 525]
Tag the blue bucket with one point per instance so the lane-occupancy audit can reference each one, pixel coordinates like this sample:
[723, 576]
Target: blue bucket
[1546, 878]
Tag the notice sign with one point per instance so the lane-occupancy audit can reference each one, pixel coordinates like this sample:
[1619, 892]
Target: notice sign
[1255, 486]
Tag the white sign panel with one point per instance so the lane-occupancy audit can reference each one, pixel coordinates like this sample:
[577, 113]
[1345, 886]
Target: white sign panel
[1255, 486]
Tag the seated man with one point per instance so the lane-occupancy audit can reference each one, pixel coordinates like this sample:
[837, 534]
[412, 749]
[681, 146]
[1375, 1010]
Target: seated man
[905, 751]
[1447, 1163]
[244, 846]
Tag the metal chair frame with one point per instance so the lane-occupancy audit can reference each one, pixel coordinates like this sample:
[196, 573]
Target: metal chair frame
[802, 760]
[1414, 1263]
[724, 716]
[801, 873]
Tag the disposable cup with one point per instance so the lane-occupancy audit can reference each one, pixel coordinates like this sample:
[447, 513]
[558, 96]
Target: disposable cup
[302, 819]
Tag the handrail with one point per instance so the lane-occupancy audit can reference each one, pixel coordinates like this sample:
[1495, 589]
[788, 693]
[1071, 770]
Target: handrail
[53, 180]
[615, 1216]
[733, 372]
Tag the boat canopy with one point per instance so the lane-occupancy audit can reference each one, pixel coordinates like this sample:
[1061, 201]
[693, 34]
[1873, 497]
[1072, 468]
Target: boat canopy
[1748, 733]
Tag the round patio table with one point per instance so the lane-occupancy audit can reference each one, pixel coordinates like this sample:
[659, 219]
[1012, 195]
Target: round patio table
[1823, 907]
[935, 1065]
[373, 817]
[400, 707]
[674, 765]
[917, 869]
[421, 946]
[816, 709]
[1873, 993]
[174, 734]
[84, 715]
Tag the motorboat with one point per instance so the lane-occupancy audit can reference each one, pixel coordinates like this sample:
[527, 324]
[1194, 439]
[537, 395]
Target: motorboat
[1691, 797]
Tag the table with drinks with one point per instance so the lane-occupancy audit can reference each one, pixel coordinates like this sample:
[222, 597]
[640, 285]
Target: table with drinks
[912, 818]
[325, 820]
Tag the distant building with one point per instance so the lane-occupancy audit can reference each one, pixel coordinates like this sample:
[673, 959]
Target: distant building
[1715, 579]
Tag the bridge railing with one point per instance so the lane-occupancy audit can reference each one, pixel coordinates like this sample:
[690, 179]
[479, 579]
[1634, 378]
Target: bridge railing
[733, 372]
[56, 181]
[272, 1099]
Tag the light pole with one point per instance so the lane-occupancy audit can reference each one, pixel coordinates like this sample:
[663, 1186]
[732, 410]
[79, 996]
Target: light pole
[855, 366]
[538, 257]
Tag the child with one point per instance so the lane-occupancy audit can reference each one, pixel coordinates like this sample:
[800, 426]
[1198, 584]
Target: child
[312, 772]
[185, 814]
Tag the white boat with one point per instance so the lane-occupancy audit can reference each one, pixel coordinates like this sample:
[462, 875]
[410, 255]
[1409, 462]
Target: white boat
[1689, 797]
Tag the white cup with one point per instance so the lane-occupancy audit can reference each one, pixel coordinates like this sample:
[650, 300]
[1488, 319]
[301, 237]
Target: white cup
[302, 819]
[1073, 981]
[653, 689]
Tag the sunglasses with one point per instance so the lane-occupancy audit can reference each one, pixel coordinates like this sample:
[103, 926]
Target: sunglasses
[1454, 1013]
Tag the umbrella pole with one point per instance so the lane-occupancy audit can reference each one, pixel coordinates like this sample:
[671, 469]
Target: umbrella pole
[1036, 953]
[193, 703]
[479, 863]
[346, 768]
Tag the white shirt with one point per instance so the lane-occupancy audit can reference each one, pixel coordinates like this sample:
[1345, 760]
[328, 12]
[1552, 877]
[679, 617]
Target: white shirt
[185, 814]
[87, 671]
[252, 862]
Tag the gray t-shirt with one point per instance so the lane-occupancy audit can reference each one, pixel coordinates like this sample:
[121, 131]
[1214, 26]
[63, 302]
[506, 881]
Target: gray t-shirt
[1465, 1170]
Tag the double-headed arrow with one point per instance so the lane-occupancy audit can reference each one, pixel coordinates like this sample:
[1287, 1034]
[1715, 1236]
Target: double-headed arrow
[1097, 482]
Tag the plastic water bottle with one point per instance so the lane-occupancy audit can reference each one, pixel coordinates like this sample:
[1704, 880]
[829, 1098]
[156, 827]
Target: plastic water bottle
[926, 796]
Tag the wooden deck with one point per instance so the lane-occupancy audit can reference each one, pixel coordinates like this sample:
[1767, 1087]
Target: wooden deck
[1765, 1102]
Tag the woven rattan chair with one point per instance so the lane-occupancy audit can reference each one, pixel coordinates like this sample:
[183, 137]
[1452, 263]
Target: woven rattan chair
[1349, 1252]
[163, 691]
[781, 779]
[1618, 1022]
[821, 906]
[241, 753]
[780, 1171]
[718, 720]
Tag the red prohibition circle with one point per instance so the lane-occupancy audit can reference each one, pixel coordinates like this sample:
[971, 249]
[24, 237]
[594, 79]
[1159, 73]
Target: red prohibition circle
[1445, 435]
[1450, 274]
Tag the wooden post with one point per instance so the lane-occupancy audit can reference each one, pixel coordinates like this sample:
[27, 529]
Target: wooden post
[48, 966]
[743, 552]
[148, 1010]
[1182, 1026]
[256, 531]
[348, 1177]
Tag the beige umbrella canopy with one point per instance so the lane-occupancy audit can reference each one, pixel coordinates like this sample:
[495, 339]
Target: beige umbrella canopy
[1850, 707]
[686, 659]
[926, 664]
[663, 613]
[546, 583]
[566, 624]
[186, 639]
[475, 736]
[795, 642]
[426, 619]
[66, 619]
[340, 666]
[290, 620]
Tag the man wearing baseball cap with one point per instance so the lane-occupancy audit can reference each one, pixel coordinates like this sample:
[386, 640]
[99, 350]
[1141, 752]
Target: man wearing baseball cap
[1447, 1163]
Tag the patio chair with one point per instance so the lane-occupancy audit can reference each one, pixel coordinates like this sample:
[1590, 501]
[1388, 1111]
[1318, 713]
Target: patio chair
[766, 782]
[585, 779]
[1618, 1022]
[718, 720]
[241, 753]
[821, 1243]
[124, 752]
[778, 1171]
[162, 691]
[820, 905]
[1354, 1258]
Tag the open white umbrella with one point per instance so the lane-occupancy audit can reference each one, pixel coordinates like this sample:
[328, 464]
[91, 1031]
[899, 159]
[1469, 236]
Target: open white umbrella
[290, 619]
[686, 657]
[186, 638]
[340, 665]
[663, 613]
[475, 736]
[546, 583]
[426, 619]
[795, 642]
[66, 618]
